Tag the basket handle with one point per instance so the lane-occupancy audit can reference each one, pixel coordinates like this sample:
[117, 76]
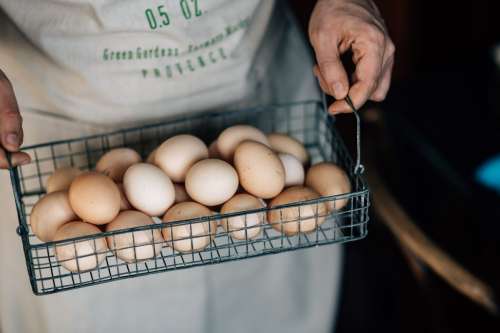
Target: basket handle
[358, 168]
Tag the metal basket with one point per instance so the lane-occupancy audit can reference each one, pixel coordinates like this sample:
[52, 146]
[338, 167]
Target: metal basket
[306, 121]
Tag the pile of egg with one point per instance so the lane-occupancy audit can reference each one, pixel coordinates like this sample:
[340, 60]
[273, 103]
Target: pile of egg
[242, 170]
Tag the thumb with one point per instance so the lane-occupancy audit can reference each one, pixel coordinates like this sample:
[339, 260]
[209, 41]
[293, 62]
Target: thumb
[11, 133]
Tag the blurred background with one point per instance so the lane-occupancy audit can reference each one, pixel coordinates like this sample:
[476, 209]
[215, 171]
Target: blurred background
[439, 125]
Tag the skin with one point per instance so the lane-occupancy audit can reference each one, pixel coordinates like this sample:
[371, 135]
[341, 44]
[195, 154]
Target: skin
[11, 125]
[335, 27]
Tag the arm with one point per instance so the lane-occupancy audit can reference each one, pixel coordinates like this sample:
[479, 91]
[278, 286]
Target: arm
[11, 131]
[337, 26]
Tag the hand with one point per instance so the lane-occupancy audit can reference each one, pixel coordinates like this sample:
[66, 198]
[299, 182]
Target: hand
[339, 25]
[11, 130]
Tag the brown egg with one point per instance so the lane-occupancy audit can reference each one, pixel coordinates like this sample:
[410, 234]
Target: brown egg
[115, 162]
[303, 218]
[49, 213]
[124, 204]
[328, 179]
[213, 151]
[81, 255]
[148, 189]
[151, 157]
[245, 226]
[231, 138]
[189, 237]
[181, 194]
[95, 198]
[61, 179]
[137, 245]
[177, 155]
[283, 143]
[260, 170]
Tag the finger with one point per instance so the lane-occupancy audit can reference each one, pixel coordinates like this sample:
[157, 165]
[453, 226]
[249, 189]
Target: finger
[11, 134]
[381, 92]
[368, 57]
[383, 87]
[16, 159]
[320, 78]
[330, 65]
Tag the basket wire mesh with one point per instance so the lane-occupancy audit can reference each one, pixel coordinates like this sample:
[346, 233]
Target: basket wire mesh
[305, 121]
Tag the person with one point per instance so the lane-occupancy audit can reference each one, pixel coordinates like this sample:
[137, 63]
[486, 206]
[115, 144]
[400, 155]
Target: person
[72, 68]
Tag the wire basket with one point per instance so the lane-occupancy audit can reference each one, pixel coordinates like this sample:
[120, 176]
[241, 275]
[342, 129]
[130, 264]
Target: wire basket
[305, 121]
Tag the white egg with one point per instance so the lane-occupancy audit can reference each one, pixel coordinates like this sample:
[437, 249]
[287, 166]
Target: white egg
[211, 182]
[294, 170]
[148, 189]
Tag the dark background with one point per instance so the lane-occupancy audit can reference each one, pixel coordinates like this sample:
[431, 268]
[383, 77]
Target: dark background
[442, 120]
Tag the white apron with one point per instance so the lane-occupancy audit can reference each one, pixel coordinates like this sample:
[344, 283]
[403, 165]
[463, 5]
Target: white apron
[291, 292]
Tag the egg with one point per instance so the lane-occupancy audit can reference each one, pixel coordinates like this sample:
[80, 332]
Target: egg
[231, 137]
[124, 204]
[294, 170]
[178, 154]
[211, 182]
[292, 220]
[49, 213]
[328, 179]
[245, 226]
[148, 189]
[137, 245]
[260, 170]
[95, 198]
[151, 157]
[213, 150]
[116, 161]
[61, 179]
[181, 194]
[189, 237]
[283, 143]
[81, 255]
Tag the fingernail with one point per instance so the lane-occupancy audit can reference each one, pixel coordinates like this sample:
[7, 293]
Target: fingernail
[332, 111]
[25, 161]
[338, 89]
[12, 139]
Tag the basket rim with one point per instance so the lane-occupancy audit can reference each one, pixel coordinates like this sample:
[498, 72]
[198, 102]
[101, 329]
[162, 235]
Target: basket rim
[168, 120]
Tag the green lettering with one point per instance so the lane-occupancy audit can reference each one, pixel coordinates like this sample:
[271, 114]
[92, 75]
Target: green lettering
[212, 57]
[144, 73]
[201, 61]
[179, 68]
[222, 53]
[151, 19]
[168, 69]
